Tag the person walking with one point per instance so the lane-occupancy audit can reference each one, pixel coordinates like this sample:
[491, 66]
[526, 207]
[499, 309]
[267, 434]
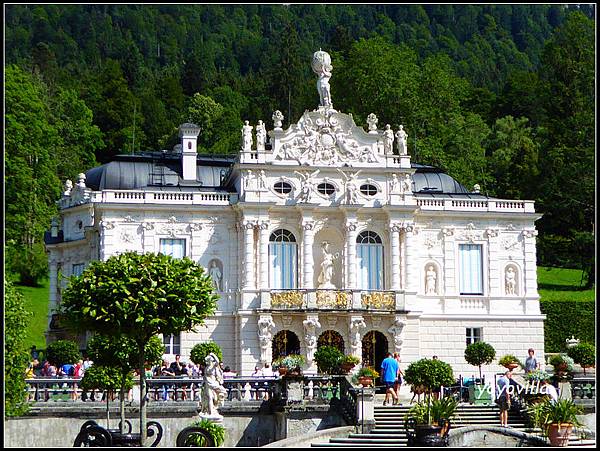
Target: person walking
[503, 397]
[398, 382]
[389, 373]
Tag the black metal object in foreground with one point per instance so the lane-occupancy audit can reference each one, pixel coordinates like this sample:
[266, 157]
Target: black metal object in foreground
[93, 435]
[195, 436]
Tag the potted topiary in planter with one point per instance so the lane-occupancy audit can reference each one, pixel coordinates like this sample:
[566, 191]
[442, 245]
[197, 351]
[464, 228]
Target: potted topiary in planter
[348, 362]
[558, 419]
[478, 354]
[583, 354]
[510, 362]
[430, 374]
[366, 375]
[289, 365]
[563, 366]
[328, 359]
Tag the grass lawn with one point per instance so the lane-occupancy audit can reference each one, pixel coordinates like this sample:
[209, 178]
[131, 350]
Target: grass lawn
[36, 301]
[560, 283]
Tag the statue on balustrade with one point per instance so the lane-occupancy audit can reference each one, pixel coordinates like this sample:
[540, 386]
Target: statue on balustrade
[261, 135]
[247, 136]
[321, 65]
[388, 140]
[213, 392]
[401, 137]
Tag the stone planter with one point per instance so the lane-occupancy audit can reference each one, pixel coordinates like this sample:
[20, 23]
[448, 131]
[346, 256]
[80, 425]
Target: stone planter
[429, 435]
[347, 367]
[511, 366]
[282, 370]
[559, 433]
[365, 381]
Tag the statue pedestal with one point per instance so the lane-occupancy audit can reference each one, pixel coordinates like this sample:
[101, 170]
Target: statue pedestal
[294, 389]
[327, 286]
[212, 418]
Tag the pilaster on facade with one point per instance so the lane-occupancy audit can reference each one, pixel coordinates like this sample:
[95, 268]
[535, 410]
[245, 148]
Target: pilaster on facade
[395, 230]
[263, 239]
[308, 239]
[249, 261]
[351, 227]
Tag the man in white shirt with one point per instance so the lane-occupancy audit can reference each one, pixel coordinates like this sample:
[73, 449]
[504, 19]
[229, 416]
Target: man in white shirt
[550, 390]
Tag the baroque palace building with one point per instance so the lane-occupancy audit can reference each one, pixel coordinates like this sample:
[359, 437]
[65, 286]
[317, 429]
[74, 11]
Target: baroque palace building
[321, 233]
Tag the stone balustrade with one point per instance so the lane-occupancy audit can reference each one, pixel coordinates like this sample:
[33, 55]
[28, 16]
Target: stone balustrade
[162, 197]
[488, 205]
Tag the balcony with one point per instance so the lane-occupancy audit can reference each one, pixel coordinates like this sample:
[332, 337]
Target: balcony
[487, 205]
[163, 197]
[303, 299]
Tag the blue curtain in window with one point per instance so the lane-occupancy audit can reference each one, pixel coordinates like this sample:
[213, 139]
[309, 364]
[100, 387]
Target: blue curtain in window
[283, 265]
[471, 269]
[173, 247]
[370, 266]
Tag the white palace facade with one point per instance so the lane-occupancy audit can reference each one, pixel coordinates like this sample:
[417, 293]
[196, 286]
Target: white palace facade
[320, 233]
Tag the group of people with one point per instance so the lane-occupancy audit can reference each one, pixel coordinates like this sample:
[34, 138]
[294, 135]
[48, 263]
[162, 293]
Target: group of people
[391, 376]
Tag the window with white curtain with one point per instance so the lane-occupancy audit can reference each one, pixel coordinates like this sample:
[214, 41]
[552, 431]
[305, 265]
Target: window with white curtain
[470, 268]
[473, 335]
[172, 344]
[283, 260]
[369, 252]
[173, 247]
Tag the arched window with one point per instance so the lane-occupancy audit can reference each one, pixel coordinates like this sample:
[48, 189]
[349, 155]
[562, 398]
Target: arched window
[285, 342]
[282, 258]
[370, 261]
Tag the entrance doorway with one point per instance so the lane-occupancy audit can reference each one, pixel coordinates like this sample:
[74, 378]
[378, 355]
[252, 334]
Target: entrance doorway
[331, 338]
[374, 350]
[285, 342]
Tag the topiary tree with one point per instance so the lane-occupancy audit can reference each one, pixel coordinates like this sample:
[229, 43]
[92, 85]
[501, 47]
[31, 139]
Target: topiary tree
[62, 351]
[201, 350]
[121, 353]
[328, 359]
[16, 355]
[479, 354]
[429, 374]
[139, 296]
[583, 354]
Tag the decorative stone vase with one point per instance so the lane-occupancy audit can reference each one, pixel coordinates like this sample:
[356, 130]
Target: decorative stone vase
[282, 370]
[511, 366]
[365, 381]
[347, 367]
[429, 435]
[559, 433]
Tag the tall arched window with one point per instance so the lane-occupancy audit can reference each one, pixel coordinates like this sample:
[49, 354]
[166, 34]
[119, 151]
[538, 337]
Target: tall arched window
[282, 258]
[370, 261]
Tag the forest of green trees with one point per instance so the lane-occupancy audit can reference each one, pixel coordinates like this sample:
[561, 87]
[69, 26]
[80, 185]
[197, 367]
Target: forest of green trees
[499, 95]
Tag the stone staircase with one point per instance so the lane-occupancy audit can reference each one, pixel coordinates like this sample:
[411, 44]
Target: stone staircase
[389, 426]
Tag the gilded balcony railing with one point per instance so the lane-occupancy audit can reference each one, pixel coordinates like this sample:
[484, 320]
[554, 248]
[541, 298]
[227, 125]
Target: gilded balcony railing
[381, 300]
[288, 299]
[330, 299]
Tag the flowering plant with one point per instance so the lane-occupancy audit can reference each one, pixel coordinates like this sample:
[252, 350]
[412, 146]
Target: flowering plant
[289, 361]
[537, 375]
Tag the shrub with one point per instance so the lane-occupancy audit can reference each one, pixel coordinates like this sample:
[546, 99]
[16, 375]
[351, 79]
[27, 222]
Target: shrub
[329, 359]
[215, 430]
[201, 350]
[100, 377]
[537, 375]
[16, 355]
[350, 359]
[62, 351]
[429, 373]
[479, 354]
[509, 359]
[367, 371]
[583, 354]
[562, 359]
[567, 317]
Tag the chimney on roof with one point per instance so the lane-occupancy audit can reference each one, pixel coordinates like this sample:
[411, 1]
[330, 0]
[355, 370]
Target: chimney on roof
[189, 137]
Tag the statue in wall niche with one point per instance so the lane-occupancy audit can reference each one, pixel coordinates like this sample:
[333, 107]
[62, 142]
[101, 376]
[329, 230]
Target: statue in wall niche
[261, 135]
[216, 275]
[388, 140]
[326, 268]
[401, 137]
[321, 65]
[68, 188]
[248, 182]
[213, 392]
[430, 280]
[394, 184]
[510, 280]
[247, 136]
[406, 186]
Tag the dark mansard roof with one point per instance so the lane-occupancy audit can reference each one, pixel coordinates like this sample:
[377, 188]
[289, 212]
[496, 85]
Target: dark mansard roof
[162, 170]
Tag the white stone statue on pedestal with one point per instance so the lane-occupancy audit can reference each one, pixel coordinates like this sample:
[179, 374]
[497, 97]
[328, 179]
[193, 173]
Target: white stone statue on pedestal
[216, 275]
[310, 337]
[406, 186]
[326, 268]
[394, 184]
[388, 140]
[265, 335]
[430, 280]
[277, 119]
[321, 65]
[249, 181]
[68, 188]
[401, 137]
[510, 281]
[247, 136]
[372, 121]
[213, 392]
[261, 135]
[262, 179]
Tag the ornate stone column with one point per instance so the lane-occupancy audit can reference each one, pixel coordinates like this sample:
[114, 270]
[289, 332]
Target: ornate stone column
[357, 325]
[308, 225]
[351, 234]
[395, 242]
[248, 227]
[311, 324]
[263, 240]
[265, 337]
